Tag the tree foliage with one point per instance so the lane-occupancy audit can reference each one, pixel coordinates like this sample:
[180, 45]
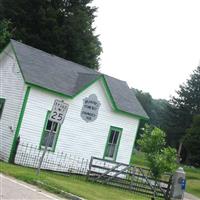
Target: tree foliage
[186, 104]
[60, 27]
[5, 34]
[158, 111]
[192, 141]
[160, 158]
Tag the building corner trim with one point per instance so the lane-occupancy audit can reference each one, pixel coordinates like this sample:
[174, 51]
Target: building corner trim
[14, 143]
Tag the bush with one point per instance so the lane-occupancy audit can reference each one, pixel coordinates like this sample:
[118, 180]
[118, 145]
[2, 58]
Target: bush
[160, 158]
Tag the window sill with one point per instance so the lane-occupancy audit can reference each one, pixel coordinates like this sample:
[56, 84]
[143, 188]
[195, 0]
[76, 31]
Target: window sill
[48, 149]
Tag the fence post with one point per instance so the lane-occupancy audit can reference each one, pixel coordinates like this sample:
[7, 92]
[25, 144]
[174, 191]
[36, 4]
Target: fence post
[168, 187]
[90, 166]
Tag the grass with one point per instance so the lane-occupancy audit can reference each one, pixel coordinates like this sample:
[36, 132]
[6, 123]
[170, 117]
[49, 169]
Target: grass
[192, 174]
[76, 185]
[192, 180]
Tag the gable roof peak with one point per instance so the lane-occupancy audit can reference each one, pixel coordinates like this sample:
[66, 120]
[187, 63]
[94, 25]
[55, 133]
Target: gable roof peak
[66, 77]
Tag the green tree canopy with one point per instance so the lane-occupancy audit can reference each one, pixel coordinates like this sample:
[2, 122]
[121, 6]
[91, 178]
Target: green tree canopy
[5, 34]
[185, 105]
[192, 141]
[64, 28]
[158, 111]
[160, 158]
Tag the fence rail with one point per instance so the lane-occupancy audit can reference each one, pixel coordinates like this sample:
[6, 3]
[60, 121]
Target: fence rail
[128, 177]
[117, 174]
[29, 155]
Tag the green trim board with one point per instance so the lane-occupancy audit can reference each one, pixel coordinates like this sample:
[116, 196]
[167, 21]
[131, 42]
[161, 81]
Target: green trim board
[108, 94]
[113, 128]
[13, 147]
[110, 97]
[64, 95]
[43, 133]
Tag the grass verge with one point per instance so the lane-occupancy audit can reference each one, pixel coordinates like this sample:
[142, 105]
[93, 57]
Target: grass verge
[192, 174]
[76, 185]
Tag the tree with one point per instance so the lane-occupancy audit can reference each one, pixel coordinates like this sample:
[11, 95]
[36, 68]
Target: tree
[61, 27]
[187, 103]
[184, 106]
[5, 34]
[192, 141]
[158, 111]
[160, 158]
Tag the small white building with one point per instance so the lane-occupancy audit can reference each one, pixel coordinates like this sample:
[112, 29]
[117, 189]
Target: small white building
[103, 114]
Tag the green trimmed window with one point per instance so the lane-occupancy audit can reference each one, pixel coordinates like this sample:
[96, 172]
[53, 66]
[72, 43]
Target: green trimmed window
[46, 131]
[112, 144]
[2, 102]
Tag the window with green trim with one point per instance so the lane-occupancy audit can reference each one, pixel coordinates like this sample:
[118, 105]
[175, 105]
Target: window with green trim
[2, 102]
[112, 144]
[47, 133]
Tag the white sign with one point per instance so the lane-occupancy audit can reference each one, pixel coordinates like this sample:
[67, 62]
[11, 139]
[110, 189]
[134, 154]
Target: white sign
[90, 108]
[58, 111]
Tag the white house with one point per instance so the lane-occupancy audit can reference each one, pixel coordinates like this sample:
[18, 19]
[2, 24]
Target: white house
[103, 114]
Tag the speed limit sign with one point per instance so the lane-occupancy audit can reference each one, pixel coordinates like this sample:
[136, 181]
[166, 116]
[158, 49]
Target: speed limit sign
[58, 111]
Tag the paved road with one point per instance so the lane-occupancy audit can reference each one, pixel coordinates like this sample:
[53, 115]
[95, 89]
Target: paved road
[188, 196]
[12, 189]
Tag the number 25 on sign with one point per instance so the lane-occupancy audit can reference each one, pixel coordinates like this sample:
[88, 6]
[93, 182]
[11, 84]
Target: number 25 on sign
[58, 111]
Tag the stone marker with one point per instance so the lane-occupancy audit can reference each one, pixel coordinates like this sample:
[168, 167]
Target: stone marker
[178, 184]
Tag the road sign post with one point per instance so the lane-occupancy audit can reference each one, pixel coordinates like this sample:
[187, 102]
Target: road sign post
[57, 115]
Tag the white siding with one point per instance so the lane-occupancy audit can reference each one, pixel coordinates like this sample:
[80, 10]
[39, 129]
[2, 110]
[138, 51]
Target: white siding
[12, 89]
[77, 136]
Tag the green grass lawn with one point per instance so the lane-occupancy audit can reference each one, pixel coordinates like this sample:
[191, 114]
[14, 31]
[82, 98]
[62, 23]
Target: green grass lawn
[73, 184]
[192, 174]
[193, 180]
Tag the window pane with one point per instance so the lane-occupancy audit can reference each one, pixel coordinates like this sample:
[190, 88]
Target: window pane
[51, 139]
[55, 126]
[48, 126]
[112, 135]
[2, 101]
[113, 143]
[116, 137]
[110, 150]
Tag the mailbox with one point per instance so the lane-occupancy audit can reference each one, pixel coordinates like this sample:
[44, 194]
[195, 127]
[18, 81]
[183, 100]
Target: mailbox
[178, 184]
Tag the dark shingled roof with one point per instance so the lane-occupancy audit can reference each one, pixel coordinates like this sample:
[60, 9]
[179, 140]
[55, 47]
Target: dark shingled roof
[66, 77]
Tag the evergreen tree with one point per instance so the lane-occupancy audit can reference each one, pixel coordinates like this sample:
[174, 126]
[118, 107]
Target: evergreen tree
[192, 141]
[61, 27]
[186, 104]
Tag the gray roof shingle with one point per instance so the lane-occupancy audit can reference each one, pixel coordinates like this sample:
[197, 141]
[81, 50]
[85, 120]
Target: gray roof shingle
[66, 77]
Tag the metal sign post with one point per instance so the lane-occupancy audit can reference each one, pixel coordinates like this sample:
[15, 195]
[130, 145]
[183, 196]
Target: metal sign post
[57, 115]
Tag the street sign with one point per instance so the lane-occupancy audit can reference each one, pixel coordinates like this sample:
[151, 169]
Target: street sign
[58, 111]
[57, 115]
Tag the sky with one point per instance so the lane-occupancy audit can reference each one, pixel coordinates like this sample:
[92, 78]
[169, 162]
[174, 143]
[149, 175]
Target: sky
[154, 45]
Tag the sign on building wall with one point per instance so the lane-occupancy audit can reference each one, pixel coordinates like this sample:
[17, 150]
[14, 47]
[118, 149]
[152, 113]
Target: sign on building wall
[89, 112]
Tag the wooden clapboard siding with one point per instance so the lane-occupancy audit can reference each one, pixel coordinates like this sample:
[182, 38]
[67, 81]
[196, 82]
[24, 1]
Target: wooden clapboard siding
[12, 88]
[76, 136]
